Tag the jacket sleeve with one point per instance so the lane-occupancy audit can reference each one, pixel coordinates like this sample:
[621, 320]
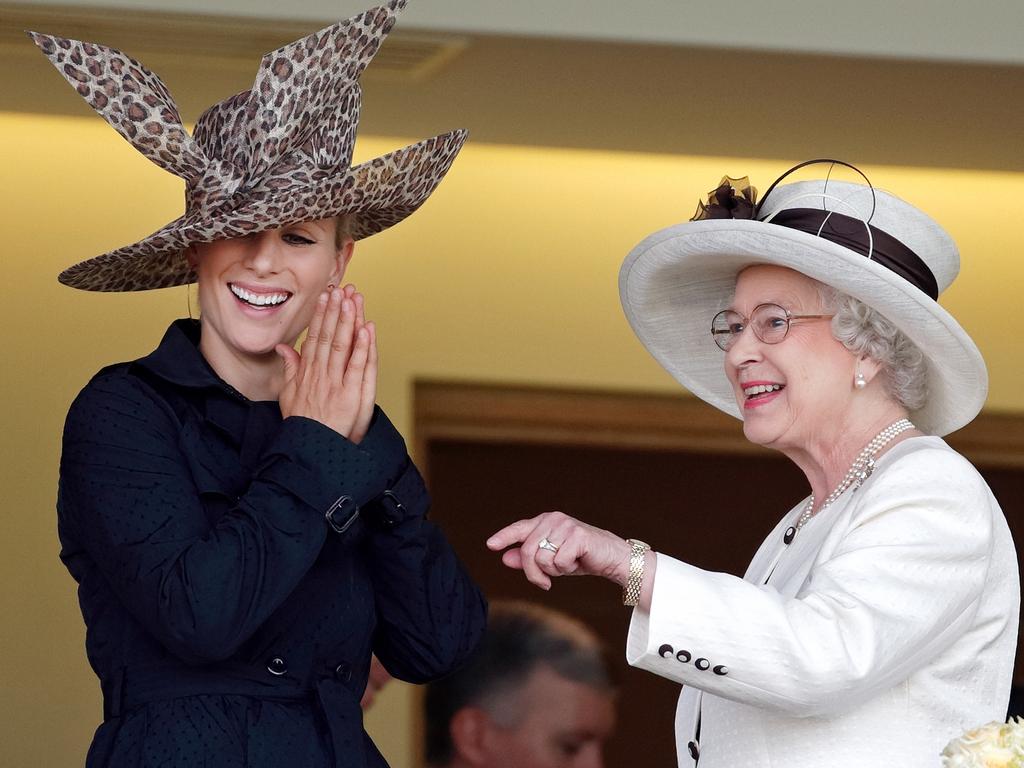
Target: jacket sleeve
[128, 498]
[431, 615]
[902, 585]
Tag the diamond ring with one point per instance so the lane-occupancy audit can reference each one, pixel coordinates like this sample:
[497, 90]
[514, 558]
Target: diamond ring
[545, 543]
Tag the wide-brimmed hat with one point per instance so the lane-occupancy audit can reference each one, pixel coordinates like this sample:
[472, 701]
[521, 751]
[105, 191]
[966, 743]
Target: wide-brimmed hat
[860, 240]
[276, 154]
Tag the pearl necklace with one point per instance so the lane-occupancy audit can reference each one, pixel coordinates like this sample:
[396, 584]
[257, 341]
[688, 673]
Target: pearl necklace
[858, 472]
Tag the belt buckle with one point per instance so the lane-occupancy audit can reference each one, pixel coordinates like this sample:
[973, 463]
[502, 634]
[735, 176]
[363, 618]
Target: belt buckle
[342, 514]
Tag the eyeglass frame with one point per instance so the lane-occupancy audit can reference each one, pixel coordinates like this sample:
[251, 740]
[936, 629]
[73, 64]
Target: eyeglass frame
[790, 317]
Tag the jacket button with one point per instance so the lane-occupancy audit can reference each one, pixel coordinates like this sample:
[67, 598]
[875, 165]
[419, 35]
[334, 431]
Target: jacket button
[789, 535]
[702, 664]
[665, 651]
[694, 750]
[343, 672]
[721, 669]
[276, 666]
[683, 656]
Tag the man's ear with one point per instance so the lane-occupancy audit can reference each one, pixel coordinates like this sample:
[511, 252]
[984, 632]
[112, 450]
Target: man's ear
[470, 729]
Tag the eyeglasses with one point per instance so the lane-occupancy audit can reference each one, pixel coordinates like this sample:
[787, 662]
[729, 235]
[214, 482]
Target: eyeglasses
[769, 322]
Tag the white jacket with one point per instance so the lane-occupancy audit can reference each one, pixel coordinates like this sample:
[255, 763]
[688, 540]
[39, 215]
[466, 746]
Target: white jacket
[884, 630]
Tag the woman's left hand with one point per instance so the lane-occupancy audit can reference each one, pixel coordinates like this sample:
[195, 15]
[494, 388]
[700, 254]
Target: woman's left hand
[583, 550]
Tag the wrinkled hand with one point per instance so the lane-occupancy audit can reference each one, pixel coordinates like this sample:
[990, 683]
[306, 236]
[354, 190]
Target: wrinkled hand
[334, 378]
[582, 549]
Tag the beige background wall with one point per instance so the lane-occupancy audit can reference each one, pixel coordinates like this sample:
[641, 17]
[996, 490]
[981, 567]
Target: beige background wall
[507, 275]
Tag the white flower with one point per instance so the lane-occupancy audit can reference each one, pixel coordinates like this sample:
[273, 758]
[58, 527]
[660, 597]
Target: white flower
[996, 745]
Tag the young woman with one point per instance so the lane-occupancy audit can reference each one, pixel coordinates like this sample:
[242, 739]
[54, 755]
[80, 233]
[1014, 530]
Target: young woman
[245, 525]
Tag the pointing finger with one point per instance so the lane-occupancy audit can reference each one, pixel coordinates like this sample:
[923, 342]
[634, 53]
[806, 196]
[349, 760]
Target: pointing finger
[511, 534]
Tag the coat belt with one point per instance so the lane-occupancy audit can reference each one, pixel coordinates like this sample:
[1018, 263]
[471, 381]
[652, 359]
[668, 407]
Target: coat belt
[130, 688]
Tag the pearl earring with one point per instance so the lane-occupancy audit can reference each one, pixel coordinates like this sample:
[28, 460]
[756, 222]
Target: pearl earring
[859, 381]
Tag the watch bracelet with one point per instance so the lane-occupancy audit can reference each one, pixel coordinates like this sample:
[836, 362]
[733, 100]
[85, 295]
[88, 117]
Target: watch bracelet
[635, 581]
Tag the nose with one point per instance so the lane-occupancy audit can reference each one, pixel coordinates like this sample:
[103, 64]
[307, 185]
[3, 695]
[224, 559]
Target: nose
[263, 253]
[746, 348]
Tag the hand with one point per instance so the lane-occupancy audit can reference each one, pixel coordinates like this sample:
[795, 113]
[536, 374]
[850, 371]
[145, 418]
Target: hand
[582, 549]
[334, 378]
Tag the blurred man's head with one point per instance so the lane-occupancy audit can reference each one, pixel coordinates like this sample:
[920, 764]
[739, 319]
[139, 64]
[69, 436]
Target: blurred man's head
[535, 695]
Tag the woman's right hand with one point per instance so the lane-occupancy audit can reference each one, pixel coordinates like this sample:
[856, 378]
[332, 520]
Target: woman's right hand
[333, 379]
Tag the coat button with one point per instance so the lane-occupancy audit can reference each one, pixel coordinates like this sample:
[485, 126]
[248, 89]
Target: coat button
[694, 750]
[721, 669]
[683, 656]
[343, 672]
[276, 666]
[789, 535]
[665, 651]
[702, 664]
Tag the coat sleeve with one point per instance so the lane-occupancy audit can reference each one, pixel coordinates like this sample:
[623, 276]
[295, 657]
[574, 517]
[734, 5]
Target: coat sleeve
[431, 615]
[902, 585]
[128, 499]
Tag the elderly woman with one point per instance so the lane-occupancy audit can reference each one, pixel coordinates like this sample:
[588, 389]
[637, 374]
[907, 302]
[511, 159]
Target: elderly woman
[245, 526]
[879, 618]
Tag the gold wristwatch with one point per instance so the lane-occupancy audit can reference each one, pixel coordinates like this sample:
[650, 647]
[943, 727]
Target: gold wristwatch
[635, 582]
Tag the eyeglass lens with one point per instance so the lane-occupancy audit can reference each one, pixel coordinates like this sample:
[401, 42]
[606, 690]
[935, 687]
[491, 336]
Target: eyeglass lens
[769, 322]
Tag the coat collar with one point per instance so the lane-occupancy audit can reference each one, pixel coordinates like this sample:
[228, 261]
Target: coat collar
[178, 360]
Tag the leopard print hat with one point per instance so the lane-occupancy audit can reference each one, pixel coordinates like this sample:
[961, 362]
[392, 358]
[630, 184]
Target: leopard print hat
[277, 154]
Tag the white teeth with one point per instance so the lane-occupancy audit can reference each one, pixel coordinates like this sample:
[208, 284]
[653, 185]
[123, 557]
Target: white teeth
[258, 299]
[760, 389]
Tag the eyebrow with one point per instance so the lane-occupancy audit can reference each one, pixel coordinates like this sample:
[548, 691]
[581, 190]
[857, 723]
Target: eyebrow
[790, 303]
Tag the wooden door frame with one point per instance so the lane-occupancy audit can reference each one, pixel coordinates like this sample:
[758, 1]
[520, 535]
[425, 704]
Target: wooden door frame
[489, 413]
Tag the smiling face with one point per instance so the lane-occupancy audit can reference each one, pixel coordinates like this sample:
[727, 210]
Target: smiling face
[261, 290]
[799, 393]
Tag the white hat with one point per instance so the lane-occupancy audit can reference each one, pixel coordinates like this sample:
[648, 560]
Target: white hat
[873, 246]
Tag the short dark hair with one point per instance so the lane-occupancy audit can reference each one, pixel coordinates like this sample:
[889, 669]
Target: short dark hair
[520, 636]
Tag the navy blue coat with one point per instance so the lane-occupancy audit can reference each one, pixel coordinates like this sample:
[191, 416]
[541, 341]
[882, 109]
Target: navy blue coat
[236, 570]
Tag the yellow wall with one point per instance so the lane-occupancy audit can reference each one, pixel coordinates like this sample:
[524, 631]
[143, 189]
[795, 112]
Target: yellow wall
[507, 275]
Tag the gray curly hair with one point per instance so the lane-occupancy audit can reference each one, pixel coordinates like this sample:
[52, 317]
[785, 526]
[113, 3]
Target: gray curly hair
[865, 332]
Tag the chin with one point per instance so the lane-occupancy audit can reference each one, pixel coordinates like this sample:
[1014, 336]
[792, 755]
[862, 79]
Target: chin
[756, 434]
[763, 430]
[258, 342]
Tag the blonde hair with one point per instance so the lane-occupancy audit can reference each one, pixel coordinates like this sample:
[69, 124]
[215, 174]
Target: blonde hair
[343, 228]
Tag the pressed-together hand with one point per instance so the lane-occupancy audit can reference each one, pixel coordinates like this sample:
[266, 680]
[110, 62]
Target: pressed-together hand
[579, 549]
[334, 378]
